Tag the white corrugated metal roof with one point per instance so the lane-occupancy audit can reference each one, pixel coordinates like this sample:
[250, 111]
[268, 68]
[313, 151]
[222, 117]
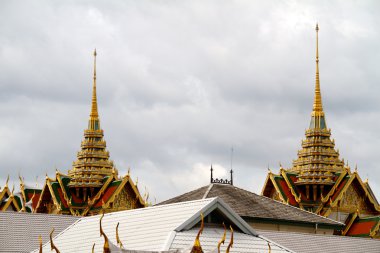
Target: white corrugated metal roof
[139, 229]
[210, 237]
[318, 243]
[149, 229]
[19, 231]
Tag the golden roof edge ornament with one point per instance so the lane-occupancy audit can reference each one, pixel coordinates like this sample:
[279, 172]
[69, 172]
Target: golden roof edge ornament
[23, 197]
[40, 243]
[231, 240]
[223, 237]
[93, 248]
[53, 247]
[197, 248]
[106, 246]
[118, 241]
[6, 182]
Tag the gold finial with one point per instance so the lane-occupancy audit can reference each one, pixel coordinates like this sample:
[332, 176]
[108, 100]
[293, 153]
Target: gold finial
[106, 246]
[53, 247]
[94, 116]
[223, 238]
[93, 248]
[6, 182]
[21, 180]
[40, 242]
[317, 106]
[231, 241]
[197, 248]
[118, 241]
[269, 248]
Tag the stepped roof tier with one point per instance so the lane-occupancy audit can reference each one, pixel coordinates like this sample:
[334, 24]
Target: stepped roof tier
[90, 187]
[319, 181]
[92, 163]
[317, 160]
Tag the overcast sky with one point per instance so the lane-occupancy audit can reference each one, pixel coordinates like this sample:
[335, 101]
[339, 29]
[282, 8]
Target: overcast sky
[180, 82]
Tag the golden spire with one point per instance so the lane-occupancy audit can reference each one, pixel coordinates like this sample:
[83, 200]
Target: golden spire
[94, 116]
[317, 106]
[92, 163]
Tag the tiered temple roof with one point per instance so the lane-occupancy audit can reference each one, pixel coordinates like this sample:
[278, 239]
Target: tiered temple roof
[92, 163]
[90, 187]
[319, 181]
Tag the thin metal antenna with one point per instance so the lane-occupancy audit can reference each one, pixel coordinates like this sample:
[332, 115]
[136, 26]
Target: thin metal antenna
[231, 171]
[212, 177]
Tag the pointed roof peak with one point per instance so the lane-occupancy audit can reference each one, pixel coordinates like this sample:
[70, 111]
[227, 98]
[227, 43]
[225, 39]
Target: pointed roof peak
[94, 104]
[94, 122]
[317, 105]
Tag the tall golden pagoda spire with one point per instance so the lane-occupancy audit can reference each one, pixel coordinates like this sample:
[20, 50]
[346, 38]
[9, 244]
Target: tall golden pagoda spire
[93, 123]
[92, 163]
[317, 115]
[318, 159]
[317, 106]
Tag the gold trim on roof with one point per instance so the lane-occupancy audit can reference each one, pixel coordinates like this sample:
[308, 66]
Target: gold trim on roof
[106, 246]
[223, 237]
[53, 247]
[231, 240]
[374, 230]
[40, 243]
[197, 248]
[350, 222]
[118, 241]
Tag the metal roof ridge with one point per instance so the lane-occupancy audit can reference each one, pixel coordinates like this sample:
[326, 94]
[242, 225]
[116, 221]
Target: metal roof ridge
[208, 191]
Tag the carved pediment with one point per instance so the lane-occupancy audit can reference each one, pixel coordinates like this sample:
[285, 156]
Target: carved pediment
[353, 200]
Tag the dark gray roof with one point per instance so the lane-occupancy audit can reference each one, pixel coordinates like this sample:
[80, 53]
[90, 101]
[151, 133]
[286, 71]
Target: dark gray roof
[251, 205]
[19, 232]
[317, 243]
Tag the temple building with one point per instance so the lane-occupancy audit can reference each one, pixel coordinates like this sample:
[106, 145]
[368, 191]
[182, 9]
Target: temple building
[319, 180]
[91, 186]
